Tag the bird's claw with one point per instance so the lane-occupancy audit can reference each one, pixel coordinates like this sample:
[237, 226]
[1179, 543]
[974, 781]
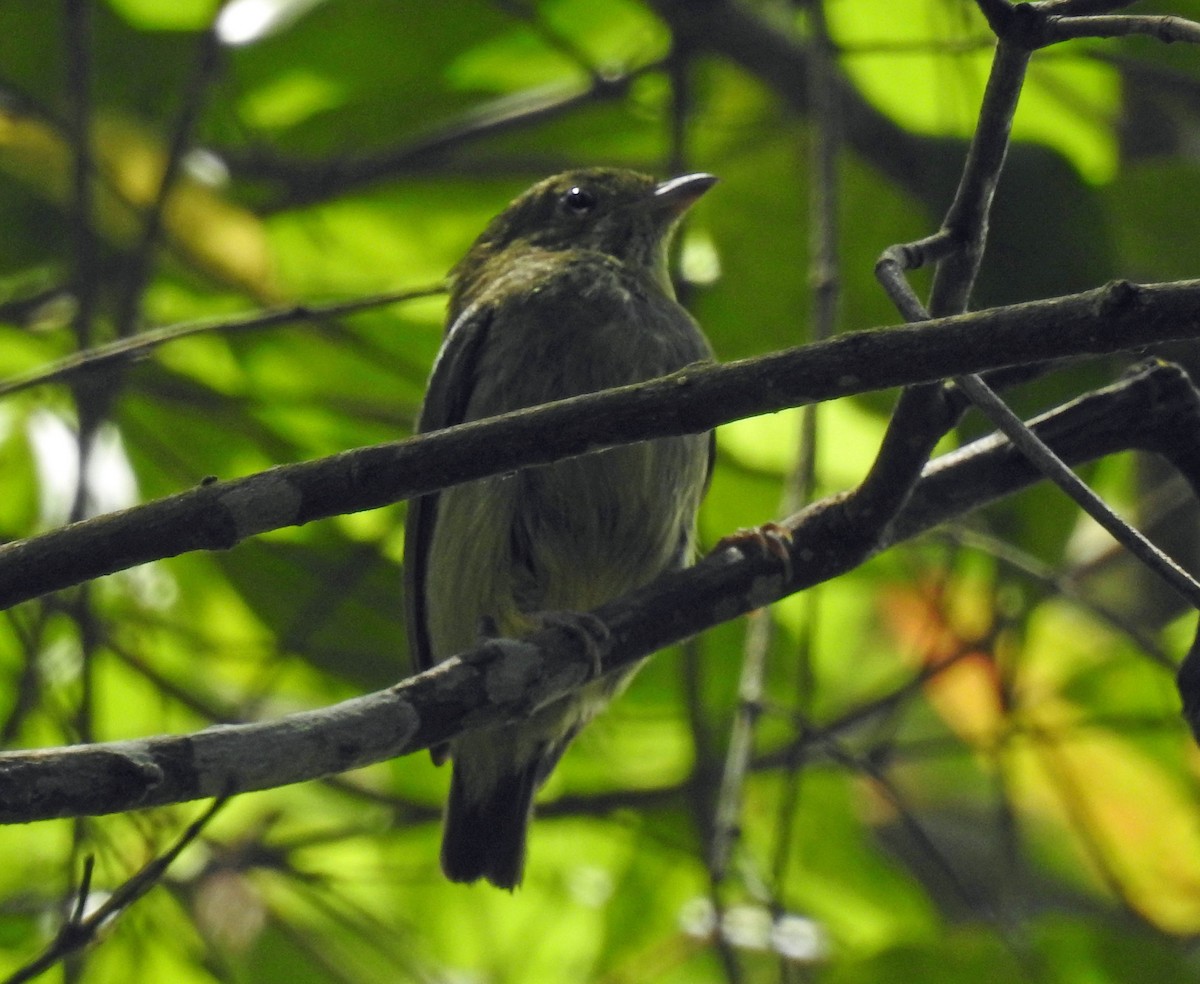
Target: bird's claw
[770, 539]
[487, 628]
[592, 632]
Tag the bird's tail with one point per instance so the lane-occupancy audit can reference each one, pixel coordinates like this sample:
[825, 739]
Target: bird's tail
[484, 835]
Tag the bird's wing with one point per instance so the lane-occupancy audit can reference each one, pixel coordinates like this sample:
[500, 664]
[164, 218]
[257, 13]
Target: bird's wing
[450, 386]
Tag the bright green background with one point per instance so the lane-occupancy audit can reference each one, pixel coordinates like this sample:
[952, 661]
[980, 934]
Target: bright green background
[1032, 814]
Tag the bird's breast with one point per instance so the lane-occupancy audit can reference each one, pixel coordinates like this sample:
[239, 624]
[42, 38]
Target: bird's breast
[579, 532]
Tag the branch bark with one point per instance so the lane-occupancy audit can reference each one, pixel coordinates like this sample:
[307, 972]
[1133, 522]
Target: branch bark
[1156, 409]
[219, 515]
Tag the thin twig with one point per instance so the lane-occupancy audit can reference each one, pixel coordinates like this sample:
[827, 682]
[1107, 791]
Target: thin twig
[706, 814]
[897, 259]
[81, 929]
[868, 765]
[727, 815]
[528, 14]
[306, 182]
[1165, 28]
[1067, 586]
[138, 346]
[967, 218]
[79, 133]
[924, 413]
[1083, 8]
[1049, 464]
[141, 256]
[998, 412]
[825, 281]
[967, 222]
[1081, 817]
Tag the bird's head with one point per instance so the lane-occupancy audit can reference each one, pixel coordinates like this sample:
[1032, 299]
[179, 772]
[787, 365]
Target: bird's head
[621, 213]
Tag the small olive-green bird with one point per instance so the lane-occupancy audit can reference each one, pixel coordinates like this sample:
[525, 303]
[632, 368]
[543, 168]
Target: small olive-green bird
[566, 292]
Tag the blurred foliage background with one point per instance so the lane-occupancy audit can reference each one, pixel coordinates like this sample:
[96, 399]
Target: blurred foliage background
[1031, 811]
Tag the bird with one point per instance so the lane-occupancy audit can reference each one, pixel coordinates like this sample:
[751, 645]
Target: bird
[567, 291]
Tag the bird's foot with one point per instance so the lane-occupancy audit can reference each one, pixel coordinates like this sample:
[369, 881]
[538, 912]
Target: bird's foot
[770, 539]
[593, 633]
[486, 628]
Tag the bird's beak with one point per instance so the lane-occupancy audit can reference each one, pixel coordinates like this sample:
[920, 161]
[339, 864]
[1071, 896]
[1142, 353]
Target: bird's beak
[676, 196]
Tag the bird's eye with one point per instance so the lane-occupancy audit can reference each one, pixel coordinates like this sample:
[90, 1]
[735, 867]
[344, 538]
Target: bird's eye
[579, 200]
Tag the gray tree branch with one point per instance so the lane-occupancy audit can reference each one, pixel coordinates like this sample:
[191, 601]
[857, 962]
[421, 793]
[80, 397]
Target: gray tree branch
[1157, 410]
[219, 515]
